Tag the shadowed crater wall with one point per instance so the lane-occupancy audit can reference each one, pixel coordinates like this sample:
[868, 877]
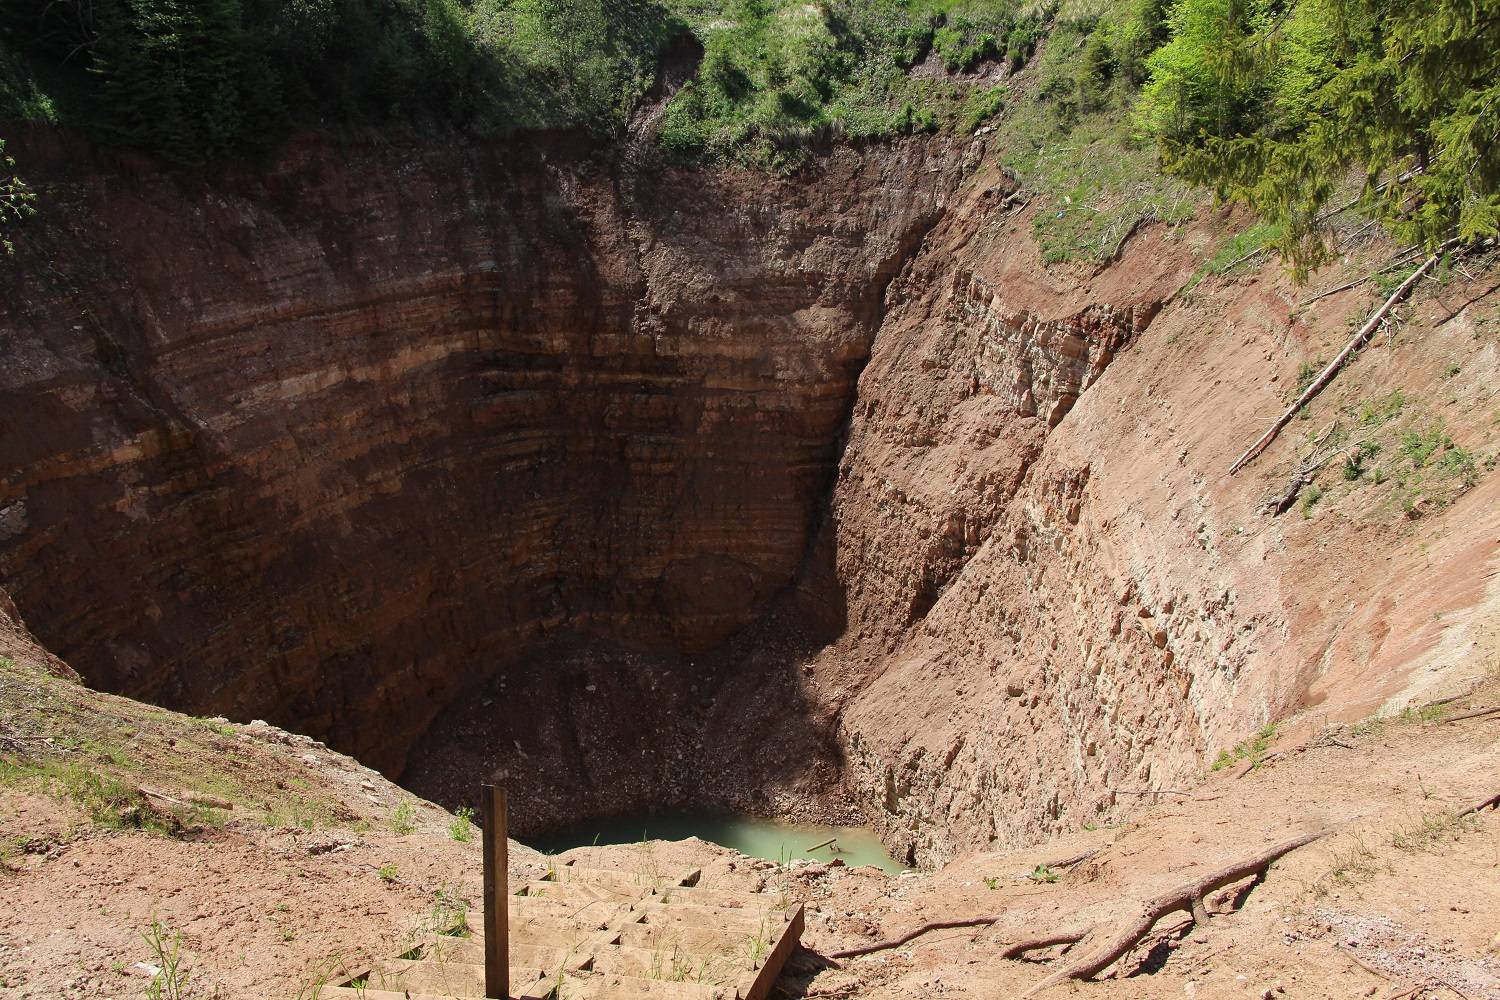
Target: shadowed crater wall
[334, 443]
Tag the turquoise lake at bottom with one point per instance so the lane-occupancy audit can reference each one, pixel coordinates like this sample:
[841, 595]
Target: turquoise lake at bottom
[770, 839]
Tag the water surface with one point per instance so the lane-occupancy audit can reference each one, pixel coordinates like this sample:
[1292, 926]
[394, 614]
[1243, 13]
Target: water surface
[770, 839]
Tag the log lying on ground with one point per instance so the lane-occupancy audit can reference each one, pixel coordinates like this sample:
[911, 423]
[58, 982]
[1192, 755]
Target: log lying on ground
[1327, 374]
[1188, 897]
[936, 925]
[187, 800]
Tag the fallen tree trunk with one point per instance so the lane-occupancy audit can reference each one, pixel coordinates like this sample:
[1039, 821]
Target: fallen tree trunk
[1327, 374]
[1188, 897]
[936, 925]
[1072, 860]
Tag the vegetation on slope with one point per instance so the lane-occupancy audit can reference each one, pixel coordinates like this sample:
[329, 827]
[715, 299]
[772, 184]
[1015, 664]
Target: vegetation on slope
[1270, 103]
[1273, 104]
[217, 80]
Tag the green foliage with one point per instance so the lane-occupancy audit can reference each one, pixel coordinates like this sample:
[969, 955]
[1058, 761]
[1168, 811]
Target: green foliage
[204, 82]
[1381, 411]
[1042, 874]
[1063, 135]
[1310, 498]
[449, 915]
[778, 74]
[1253, 749]
[461, 828]
[1306, 372]
[1426, 713]
[1354, 463]
[981, 106]
[1272, 105]
[388, 873]
[403, 818]
[171, 979]
[110, 803]
[16, 200]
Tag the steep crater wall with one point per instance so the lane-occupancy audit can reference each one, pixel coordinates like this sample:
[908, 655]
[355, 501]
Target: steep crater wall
[333, 443]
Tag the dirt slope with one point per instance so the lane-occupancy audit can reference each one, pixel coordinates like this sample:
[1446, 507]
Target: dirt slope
[1052, 586]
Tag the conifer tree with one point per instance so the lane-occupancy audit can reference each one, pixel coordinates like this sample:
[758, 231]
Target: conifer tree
[1404, 92]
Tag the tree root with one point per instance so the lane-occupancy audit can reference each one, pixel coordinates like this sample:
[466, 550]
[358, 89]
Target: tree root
[896, 942]
[1187, 897]
[1492, 802]
[1018, 948]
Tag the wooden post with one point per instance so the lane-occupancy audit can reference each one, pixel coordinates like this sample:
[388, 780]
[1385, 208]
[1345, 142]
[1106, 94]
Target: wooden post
[496, 897]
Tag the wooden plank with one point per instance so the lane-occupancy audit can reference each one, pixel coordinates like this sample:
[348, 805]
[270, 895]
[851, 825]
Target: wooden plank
[496, 896]
[765, 976]
[453, 979]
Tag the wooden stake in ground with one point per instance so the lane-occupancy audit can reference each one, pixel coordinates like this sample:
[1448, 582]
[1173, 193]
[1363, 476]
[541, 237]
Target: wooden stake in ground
[1188, 897]
[1327, 374]
[496, 896]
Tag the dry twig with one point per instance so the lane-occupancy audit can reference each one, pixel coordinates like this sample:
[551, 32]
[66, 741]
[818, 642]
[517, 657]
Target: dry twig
[1327, 375]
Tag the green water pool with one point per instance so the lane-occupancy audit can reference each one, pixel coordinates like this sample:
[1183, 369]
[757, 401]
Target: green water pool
[760, 838]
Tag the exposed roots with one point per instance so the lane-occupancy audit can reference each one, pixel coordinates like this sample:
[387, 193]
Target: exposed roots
[1187, 897]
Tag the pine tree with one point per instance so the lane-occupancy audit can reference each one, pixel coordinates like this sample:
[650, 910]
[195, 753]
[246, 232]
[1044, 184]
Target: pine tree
[1405, 91]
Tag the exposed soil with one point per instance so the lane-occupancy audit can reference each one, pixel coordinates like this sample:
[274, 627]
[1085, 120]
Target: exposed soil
[1401, 886]
[822, 497]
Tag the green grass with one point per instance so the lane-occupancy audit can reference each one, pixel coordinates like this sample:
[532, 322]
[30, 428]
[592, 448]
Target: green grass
[1425, 713]
[1239, 249]
[171, 982]
[1068, 139]
[461, 828]
[299, 813]
[1379, 412]
[1310, 497]
[403, 819]
[1253, 749]
[778, 75]
[449, 915]
[109, 802]
[1430, 830]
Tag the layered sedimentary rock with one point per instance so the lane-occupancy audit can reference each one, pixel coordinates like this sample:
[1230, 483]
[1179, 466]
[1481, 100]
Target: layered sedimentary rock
[327, 443]
[1058, 602]
[644, 486]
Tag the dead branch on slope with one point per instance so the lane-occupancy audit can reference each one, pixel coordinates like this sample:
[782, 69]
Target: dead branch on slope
[1188, 897]
[1327, 375]
[1476, 714]
[1072, 860]
[1302, 476]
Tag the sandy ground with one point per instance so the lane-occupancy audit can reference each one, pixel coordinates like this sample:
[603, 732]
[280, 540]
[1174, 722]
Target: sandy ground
[1399, 896]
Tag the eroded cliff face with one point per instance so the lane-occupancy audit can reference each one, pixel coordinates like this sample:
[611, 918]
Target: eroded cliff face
[1058, 600]
[330, 443]
[642, 486]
